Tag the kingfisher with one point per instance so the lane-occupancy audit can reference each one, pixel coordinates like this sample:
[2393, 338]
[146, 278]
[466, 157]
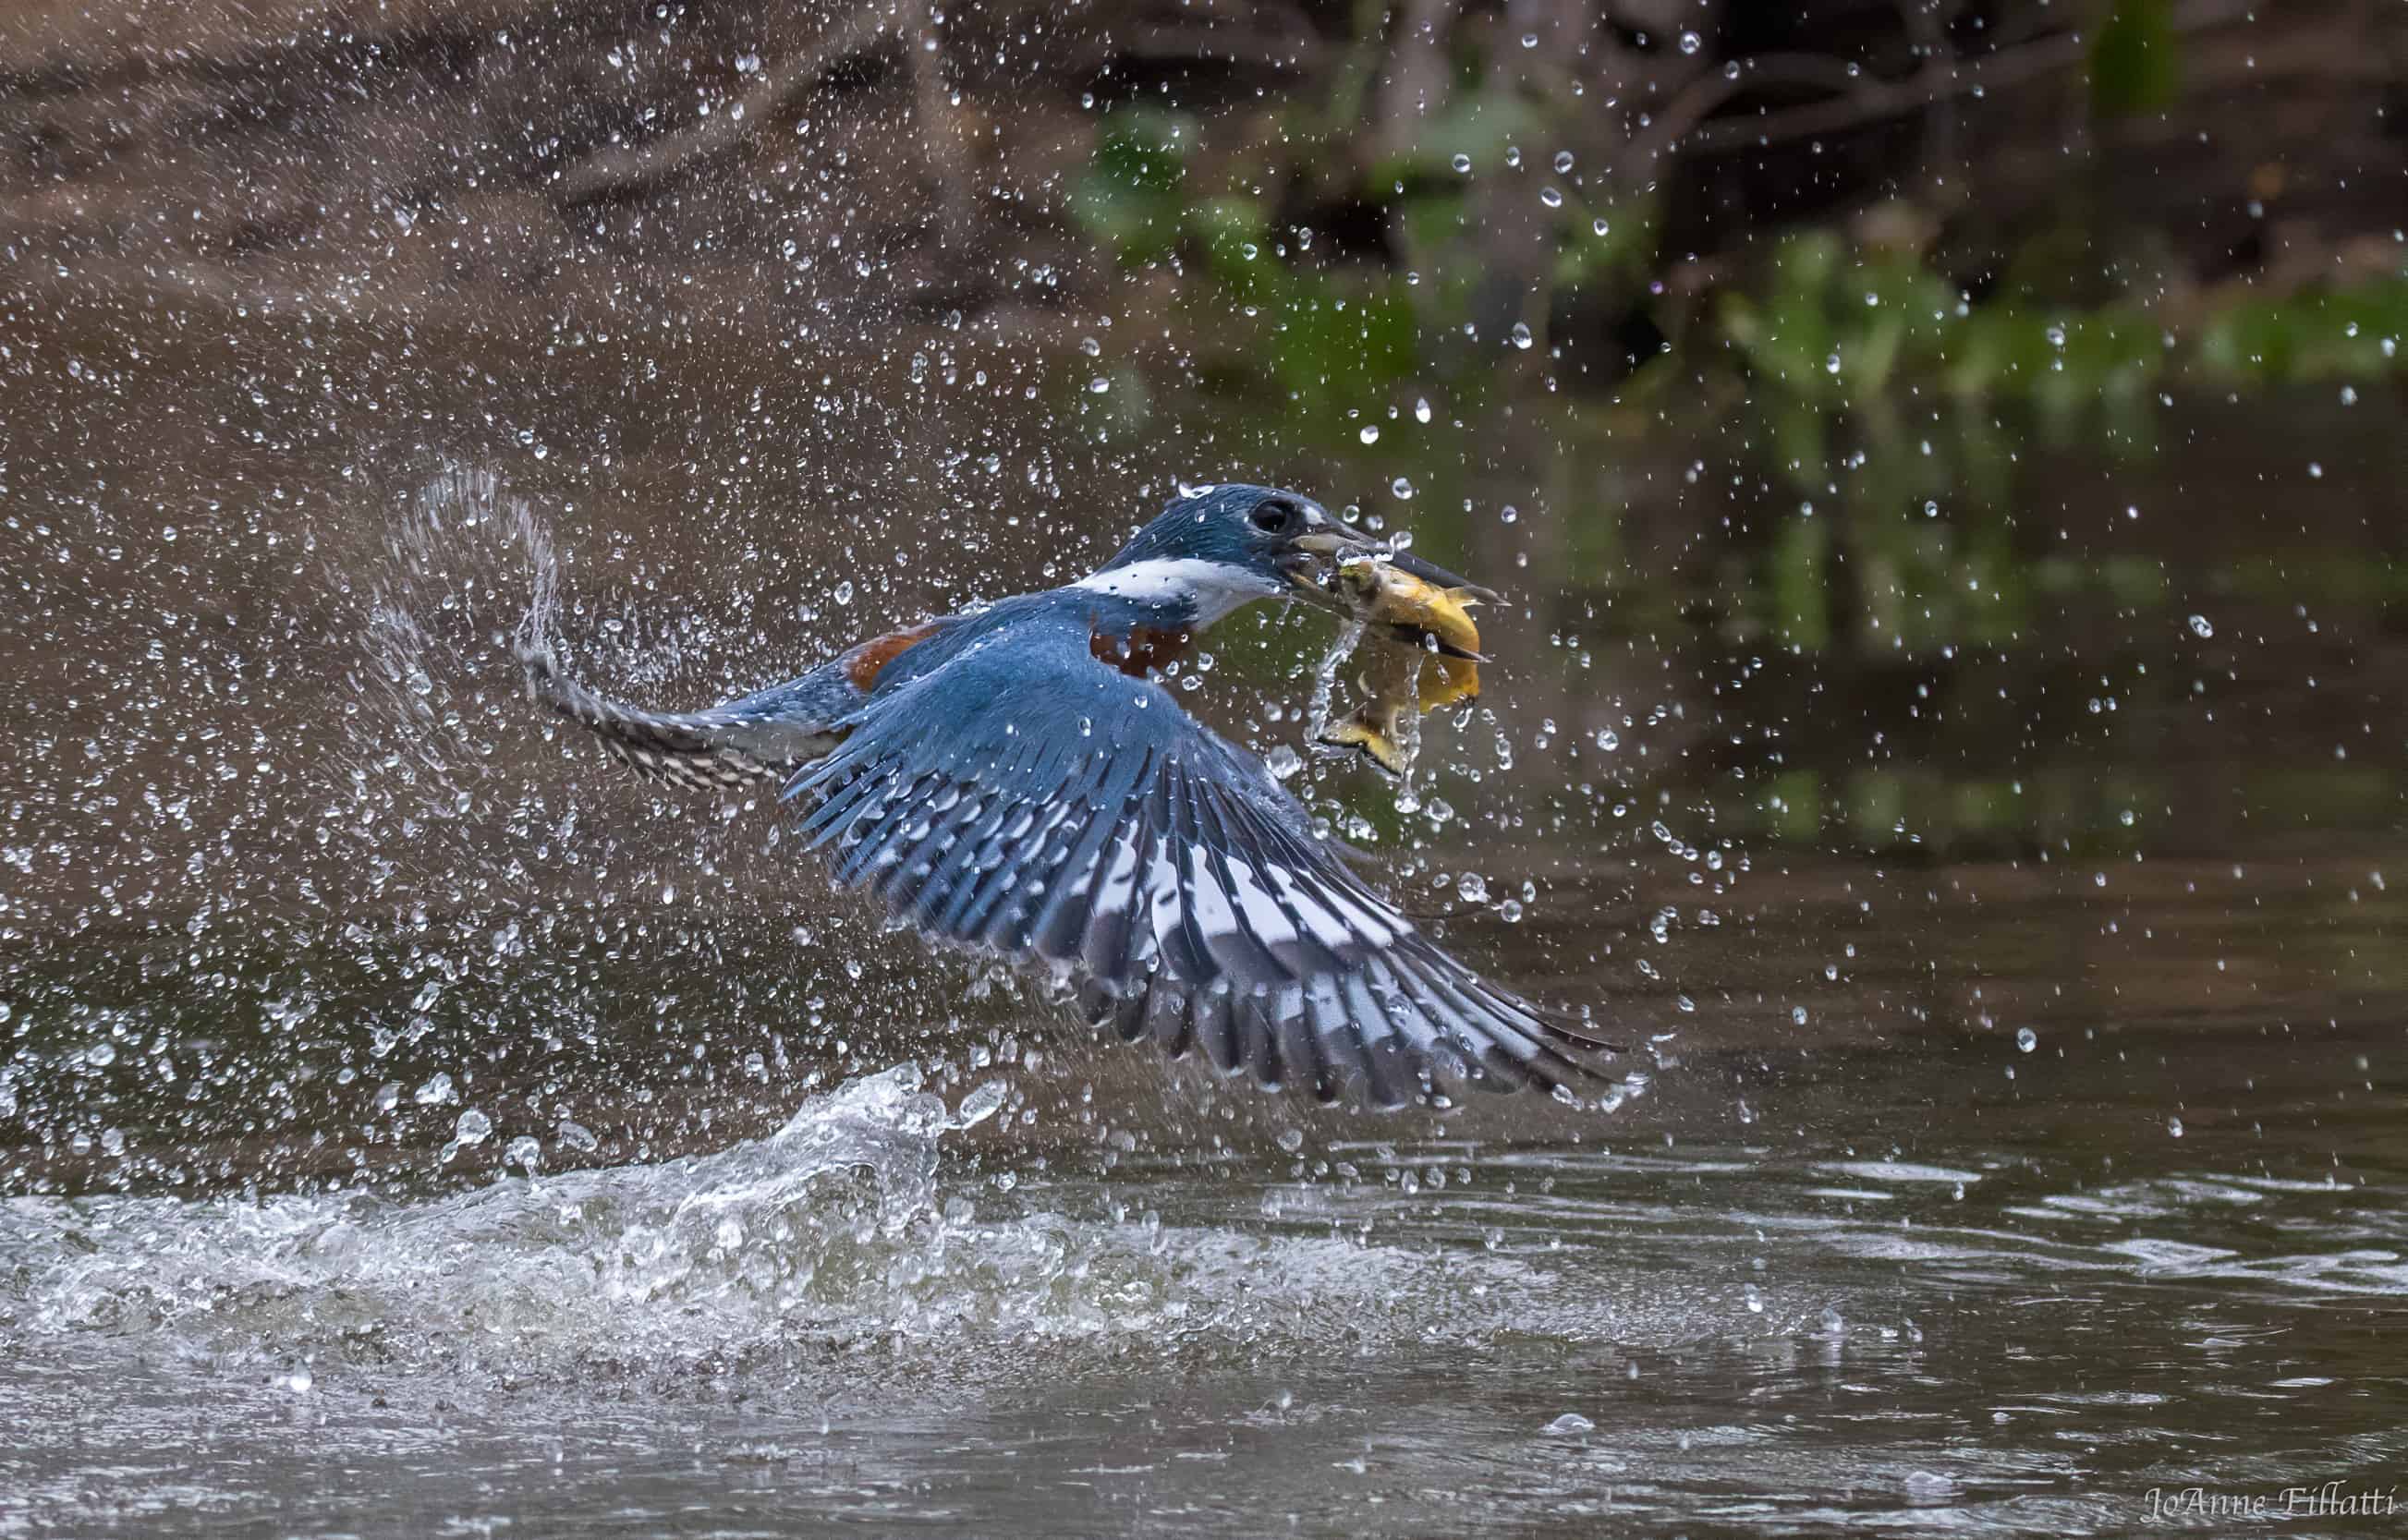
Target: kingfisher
[1014, 780]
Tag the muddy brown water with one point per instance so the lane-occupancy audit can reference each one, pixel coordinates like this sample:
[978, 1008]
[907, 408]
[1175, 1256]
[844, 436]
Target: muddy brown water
[409, 1127]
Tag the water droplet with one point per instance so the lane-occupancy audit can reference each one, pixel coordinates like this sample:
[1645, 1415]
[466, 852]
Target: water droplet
[1755, 1298]
[1462, 164]
[434, 1092]
[2201, 626]
[1371, 433]
[1571, 1422]
[1284, 762]
[2027, 1039]
[1598, 227]
[1474, 887]
[1421, 409]
[1401, 488]
[1563, 162]
[1551, 197]
[980, 1104]
[1521, 335]
[1099, 385]
[1691, 42]
[2173, 1126]
[472, 1127]
[844, 591]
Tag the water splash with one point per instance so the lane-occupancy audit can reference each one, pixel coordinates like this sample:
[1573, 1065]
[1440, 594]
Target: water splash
[835, 1233]
[467, 577]
[1325, 716]
[1409, 751]
[465, 567]
[1325, 676]
[830, 1224]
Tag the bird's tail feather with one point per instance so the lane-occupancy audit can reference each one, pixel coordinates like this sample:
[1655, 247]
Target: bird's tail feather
[707, 750]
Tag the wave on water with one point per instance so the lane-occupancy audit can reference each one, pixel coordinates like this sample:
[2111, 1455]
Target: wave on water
[837, 1229]
[833, 1224]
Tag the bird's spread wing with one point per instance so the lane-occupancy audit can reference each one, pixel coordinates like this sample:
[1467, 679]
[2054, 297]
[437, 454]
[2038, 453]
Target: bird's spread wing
[1028, 800]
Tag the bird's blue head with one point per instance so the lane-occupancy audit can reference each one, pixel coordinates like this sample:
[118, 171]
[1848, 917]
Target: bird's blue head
[1216, 547]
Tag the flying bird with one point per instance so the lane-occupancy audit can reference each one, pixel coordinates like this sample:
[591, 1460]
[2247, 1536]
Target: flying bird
[1016, 781]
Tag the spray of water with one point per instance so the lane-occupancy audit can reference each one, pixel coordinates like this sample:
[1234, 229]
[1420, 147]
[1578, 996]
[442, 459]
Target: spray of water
[839, 1231]
[1325, 676]
[824, 1224]
[1326, 713]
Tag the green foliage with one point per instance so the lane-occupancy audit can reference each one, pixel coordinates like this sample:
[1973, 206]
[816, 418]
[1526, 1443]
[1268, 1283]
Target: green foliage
[1800, 584]
[1331, 338]
[1481, 125]
[1896, 407]
[1133, 197]
[1324, 341]
[2339, 334]
[1830, 343]
[1828, 330]
[2132, 58]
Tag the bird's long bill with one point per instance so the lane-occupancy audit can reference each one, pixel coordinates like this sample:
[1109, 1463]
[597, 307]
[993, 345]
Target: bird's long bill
[1431, 572]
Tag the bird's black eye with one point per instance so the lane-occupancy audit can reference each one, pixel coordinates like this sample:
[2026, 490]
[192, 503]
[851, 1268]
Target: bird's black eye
[1274, 516]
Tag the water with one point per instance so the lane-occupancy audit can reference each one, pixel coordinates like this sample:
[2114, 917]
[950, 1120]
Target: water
[1864, 1280]
[1787, 1334]
[2013, 1127]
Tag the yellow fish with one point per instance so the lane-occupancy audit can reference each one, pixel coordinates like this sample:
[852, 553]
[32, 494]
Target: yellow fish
[1420, 650]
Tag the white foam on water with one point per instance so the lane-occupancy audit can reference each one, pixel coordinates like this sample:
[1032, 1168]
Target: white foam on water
[835, 1229]
[777, 1227]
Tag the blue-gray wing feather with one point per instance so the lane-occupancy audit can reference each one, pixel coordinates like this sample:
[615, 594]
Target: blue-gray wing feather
[1021, 798]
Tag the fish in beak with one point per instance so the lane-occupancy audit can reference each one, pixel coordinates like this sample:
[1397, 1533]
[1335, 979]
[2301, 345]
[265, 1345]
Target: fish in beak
[1324, 550]
[1420, 651]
